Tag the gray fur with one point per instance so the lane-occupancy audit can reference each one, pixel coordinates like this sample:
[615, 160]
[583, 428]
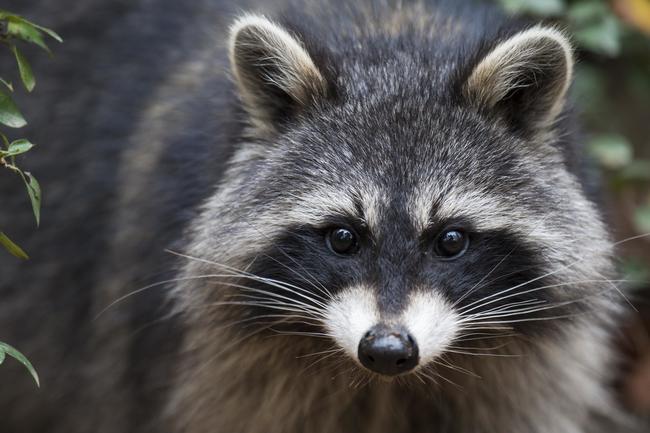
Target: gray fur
[169, 151]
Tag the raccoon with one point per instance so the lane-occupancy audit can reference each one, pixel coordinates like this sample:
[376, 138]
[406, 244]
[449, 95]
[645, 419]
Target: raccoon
[369, 216]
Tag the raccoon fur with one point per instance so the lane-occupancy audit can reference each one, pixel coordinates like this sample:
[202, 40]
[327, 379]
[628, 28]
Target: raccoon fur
[368, 216]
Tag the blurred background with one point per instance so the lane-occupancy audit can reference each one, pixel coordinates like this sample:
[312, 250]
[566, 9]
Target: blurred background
[612, 91]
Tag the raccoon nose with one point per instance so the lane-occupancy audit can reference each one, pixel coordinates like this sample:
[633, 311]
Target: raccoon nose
[388, 351]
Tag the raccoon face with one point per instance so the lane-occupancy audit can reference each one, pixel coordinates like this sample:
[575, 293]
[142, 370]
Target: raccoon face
[401, 209]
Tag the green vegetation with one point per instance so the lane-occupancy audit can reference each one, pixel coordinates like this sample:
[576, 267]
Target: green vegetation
[15, 29]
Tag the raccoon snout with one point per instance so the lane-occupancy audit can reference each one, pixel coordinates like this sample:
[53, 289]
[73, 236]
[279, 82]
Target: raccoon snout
[388, 350]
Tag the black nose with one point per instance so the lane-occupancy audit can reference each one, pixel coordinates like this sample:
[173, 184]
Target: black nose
[388, 351]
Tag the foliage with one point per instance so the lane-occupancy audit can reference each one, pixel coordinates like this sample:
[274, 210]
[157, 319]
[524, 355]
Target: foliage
[6, 349]
[612, 87]
[14, 29]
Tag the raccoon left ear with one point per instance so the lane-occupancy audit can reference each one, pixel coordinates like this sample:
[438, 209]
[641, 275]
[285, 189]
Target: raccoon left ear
[524, 79]
[273, 71]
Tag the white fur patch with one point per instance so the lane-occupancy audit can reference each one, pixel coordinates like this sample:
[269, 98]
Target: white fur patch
[432, 322]
[350, 315]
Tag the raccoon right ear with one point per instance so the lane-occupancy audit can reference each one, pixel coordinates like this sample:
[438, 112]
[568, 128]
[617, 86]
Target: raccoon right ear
[275, 75]
[524, 79]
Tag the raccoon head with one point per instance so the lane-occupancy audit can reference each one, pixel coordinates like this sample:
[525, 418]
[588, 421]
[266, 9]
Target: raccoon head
[400, 199]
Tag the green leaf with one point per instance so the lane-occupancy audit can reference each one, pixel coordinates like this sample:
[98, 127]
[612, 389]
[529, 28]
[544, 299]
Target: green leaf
[9, 114]
[51, 33]
[25, 69]
[642, 218]
[588, 11]
[612, 151]
[5, 348]
[34, 191]
[8, 15]
[22, 29]
[535, 7]
[602, 36]
[12, 247]
[2, 357]
[19, 147]
[7, 84]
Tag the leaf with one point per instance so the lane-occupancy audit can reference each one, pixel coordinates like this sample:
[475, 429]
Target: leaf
[642, 218]
[5, 348]
[2, 357]
[34, 191]
[25, 69]
[603, 37]
[12, 247]
[19, 147]
[7, 84]
[9, 114]
[51, 33]
[612, 151]
[583, 12]
[22, 29]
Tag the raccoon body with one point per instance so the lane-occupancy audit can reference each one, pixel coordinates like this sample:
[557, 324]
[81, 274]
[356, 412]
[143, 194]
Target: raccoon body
[314, 217]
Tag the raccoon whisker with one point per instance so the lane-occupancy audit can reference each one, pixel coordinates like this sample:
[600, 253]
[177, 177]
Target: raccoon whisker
[507, 312]
[321, 359]
[431, 378]
[266, 316]
[470, 291]
[304, 293]
[315, 280]
[497, 347]
[530, 310]
[322, 352]
[151, 286]
[294, 302]
[531, 319]
[235, 270]
[486, 336]
[286, 298]
[419, 376]
[632, 238]
[274, 301]
[500, 277]
[496, 355]
[272, 281]
[441, 376]
[442, 361]
[302, 334]
[314, 283]
[508, 307]
[490, 299]
[254, 304]
[477, 327]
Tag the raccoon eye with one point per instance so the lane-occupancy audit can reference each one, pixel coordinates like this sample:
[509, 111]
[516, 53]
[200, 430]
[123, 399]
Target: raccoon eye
[342, 241]
[451, 243]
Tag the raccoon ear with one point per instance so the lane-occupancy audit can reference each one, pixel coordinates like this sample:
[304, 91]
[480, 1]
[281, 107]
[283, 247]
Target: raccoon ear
[524, 79]
[274, 73]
